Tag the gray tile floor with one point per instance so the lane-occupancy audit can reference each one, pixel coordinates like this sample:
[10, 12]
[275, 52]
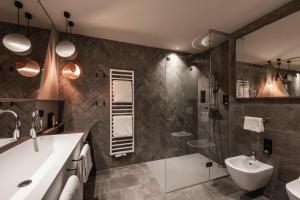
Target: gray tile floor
[135, 182]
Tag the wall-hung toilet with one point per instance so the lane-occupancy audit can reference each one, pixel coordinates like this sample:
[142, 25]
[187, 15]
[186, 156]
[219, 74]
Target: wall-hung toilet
[293, 189]
[248, 175]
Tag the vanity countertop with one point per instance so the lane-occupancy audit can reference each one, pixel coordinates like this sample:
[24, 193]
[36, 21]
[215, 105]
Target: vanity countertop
[46, 157]
[51, 131]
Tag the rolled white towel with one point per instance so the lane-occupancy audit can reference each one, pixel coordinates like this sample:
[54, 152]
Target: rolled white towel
[86, 163]
[71, 190]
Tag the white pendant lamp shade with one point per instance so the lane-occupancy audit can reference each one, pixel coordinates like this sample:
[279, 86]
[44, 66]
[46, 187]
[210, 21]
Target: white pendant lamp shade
[16, 43]
[71, 71]
[65, 49]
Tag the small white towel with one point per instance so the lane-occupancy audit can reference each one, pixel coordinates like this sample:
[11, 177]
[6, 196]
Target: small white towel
[71, 190]
[86, 163]
[122, 91]
[254, 124]
[122, 126]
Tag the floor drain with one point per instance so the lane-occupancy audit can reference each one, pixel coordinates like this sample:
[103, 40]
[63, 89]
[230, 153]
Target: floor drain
[24, 183]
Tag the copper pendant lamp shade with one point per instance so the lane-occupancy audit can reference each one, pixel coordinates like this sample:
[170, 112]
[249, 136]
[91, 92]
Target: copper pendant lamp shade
[28, 68]
[71, 71]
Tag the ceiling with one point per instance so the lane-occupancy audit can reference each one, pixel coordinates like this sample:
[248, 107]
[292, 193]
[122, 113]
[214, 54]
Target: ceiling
[280, 39]
[168, 24]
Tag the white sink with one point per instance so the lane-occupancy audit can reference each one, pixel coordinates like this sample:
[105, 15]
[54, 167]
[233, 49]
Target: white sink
[248, 175]
[43, 161]
[293, 189]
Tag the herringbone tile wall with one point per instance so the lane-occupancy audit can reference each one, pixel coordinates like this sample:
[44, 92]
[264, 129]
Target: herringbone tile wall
[165, 95]
[165, 99]
[24, 110]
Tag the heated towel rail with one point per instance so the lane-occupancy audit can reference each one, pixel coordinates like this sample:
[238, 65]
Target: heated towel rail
[121, 145]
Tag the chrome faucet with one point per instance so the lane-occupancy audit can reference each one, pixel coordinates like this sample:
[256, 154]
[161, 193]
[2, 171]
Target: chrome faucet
[33, 130]
[17, 130]
[252, 155]
[36, 128]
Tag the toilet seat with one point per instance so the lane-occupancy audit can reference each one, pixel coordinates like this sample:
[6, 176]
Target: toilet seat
[293, 189]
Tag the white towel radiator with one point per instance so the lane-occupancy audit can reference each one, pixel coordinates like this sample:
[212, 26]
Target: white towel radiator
[120, 146]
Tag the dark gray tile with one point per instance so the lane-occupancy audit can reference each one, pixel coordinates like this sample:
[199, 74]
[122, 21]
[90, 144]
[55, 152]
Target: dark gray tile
[101, 187]
[288, 169]
[113, 195]
[150, 189]
[123, 181]
[131, 193]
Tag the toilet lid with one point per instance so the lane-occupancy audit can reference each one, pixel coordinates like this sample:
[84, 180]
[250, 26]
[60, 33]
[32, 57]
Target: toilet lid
[294, 187]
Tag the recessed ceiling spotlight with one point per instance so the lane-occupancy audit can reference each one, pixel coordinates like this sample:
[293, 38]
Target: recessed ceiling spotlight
[177, 48]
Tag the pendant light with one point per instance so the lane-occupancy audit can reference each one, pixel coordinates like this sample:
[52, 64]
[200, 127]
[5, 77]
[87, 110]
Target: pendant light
[71, 71]
[278, 75]
[290, 77]
[71, 25]
[17, 42]
[28, 67]
[66, 49]
[269, 76]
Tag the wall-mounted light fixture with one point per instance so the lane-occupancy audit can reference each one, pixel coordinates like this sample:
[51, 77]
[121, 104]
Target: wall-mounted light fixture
[71, 71]
[66, 49]
[17, 42]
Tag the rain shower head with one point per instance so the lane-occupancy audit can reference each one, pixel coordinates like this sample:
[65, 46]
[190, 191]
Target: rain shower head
[209, 40]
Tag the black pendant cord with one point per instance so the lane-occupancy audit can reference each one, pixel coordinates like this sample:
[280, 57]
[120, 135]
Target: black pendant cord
[67, 16]
[269, 70]
[27, 28]
[66, 28]
[289, 64]
[28, 17]
[71, 25]
[19, 6]
[18, 20]
[70, 31]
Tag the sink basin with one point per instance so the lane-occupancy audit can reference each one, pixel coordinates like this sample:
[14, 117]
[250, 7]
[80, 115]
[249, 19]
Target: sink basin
[36, 168]
[248, 175]
[293, 189]
[5, 141]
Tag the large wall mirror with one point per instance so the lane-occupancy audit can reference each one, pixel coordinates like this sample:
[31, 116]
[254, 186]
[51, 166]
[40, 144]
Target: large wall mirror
[21, 73]
[268, 61]
[16, 80]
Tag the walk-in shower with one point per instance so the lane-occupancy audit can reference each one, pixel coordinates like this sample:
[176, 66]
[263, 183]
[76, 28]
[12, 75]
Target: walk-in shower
[197, 117]
[191, 134]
